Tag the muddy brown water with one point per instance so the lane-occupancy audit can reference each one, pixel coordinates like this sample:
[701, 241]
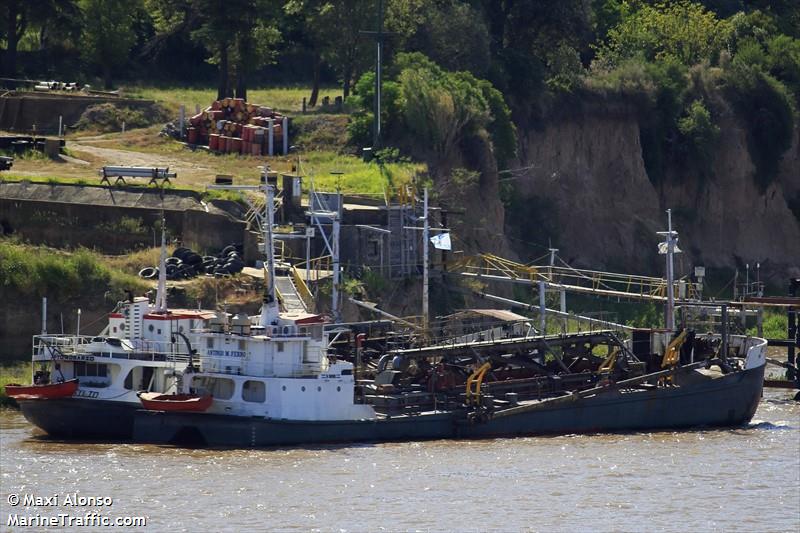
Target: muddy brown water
[742, 479]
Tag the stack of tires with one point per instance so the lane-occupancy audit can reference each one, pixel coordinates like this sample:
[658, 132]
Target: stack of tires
[186, 264]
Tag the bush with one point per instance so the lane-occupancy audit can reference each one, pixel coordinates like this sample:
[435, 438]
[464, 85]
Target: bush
[699, 135]
[766, 108]
[438, 107]
[109, 117]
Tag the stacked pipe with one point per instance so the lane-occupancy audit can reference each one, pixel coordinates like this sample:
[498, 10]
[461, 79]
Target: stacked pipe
[233, 126]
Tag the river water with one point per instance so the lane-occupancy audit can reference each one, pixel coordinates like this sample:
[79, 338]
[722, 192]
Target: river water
[744, 479]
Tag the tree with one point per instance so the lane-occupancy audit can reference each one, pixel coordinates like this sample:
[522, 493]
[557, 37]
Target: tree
[47, 17]
[454, 35]
[239, 35]
[683, 30]
[108, 33]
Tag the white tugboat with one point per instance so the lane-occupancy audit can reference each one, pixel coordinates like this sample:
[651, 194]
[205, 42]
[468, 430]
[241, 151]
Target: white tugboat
[272, 366]
[143, 348]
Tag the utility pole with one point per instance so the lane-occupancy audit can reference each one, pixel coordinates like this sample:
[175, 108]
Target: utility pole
[376, 140]
[425, 261]
[379, 37]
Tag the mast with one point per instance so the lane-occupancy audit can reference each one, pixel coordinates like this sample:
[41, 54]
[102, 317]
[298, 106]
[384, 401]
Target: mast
[161, 291]
[669, 249]
[425, 261]
[269, 307]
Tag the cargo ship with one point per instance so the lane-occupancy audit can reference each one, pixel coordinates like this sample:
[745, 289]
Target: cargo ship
[269, 380]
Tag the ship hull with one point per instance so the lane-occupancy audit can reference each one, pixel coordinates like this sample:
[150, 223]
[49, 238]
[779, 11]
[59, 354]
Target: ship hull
[726, 401]
[76, 418]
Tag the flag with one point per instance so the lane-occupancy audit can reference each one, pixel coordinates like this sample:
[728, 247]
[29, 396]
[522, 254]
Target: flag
[663, 248]
[442, 241]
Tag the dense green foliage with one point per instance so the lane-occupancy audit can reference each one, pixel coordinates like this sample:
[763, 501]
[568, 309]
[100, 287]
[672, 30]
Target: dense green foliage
[438, 108]
[690, 67]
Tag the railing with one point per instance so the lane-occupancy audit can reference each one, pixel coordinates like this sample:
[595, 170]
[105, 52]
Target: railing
[579, 280]
[302, 290]
[48, 347]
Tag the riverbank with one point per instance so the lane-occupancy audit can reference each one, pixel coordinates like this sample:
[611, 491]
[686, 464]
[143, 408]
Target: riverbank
[12, 373]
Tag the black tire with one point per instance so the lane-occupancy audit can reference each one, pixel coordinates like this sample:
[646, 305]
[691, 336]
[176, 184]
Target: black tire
[228, 249]
[209, 258]
[187, 271]
[222, 271]
[148, 273]
[237, 263]
[181, 252]
[193, 259]
[173, 261]
[234, 268]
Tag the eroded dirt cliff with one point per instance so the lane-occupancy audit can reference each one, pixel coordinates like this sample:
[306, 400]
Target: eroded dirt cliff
[586, 176]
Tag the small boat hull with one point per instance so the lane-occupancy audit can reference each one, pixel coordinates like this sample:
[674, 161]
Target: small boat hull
[727, 401]
[51, 391]
[185, 403]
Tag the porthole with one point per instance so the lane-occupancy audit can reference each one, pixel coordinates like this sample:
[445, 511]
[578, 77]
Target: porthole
[338, 389]
[283, 388]
[303, 389]
[319, 389]
[122, 326]
[150, 328]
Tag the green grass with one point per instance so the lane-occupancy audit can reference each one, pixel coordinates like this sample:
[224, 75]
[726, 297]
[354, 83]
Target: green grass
[775, 326]
[13, 373]
[280, 98]
[358, 176]
[32, 271]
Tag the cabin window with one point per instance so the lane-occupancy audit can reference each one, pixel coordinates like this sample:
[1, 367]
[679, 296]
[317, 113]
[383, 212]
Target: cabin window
[91, 374]
[114, 329]
[242, 345]
[209, 342]
[254, 391]
[304, 331]
[180, 329]
[90, 369]
[219, 388]
[159, 331]
[279, 346]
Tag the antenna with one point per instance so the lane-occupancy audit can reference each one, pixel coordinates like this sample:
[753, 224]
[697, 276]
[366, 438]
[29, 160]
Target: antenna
[161, 291]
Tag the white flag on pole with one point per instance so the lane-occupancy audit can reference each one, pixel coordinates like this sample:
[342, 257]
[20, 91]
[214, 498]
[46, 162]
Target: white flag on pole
[442, 241]
[663, 248]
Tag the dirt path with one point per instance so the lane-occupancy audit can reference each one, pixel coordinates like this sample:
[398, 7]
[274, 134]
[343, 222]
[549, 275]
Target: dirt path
[131, 158]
